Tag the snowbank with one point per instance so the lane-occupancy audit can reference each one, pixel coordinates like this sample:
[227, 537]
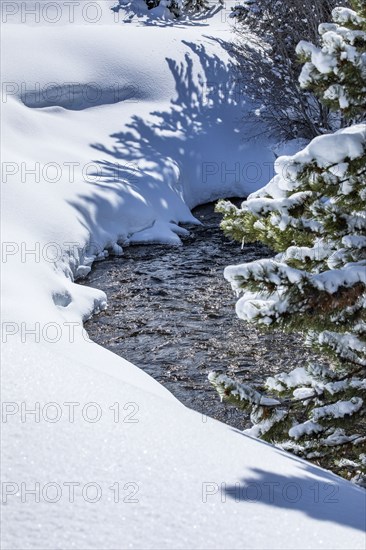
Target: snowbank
[113, 132]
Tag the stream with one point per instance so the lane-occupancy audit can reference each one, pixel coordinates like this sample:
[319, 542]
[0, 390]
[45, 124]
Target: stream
[172, 314]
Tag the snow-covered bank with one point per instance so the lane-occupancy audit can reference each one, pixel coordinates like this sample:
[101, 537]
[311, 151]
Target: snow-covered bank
[112, 133]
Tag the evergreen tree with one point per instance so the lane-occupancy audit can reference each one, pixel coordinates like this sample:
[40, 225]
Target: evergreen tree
[313, 214]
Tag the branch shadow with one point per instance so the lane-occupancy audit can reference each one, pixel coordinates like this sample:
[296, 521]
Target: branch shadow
[163, 164]
[181, 148]
[316, 493]
[161, 17]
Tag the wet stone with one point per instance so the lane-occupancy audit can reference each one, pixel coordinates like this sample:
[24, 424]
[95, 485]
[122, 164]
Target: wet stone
[172, 314]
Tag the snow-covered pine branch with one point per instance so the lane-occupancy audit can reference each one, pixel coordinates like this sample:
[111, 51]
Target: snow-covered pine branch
[336, 69]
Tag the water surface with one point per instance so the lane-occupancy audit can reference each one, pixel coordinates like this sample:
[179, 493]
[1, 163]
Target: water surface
[172, 314]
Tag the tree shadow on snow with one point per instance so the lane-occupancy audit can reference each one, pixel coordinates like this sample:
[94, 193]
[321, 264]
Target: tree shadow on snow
[191, 142]
[164, 163]
[317, 493]
[149, 18]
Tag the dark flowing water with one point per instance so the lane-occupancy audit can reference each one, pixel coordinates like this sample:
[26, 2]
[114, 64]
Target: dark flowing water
[172, 314]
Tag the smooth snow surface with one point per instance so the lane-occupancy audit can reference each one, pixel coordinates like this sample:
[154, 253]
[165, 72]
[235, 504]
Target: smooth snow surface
[112, 132]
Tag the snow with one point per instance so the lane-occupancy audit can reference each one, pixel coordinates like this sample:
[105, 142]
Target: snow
[290, 380]
[338, 437]
[303, 393]
[114, 131]
[262, 427]
[242, 391]
[345, 15]
[338, 410]
[308, 427]
[354, 241]
[331, 281]
[327, 150]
